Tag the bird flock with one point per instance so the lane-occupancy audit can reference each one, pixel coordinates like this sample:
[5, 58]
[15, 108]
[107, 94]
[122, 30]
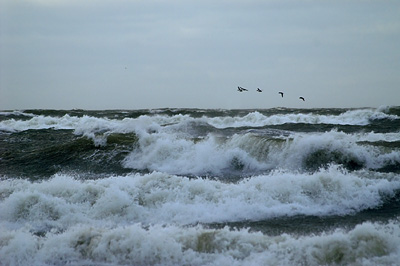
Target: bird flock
[241, 89]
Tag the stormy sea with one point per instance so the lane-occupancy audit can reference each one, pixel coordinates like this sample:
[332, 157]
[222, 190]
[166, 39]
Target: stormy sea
[169, 186]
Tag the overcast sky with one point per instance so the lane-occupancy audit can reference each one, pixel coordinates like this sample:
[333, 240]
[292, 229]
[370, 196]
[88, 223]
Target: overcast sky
[116, 54]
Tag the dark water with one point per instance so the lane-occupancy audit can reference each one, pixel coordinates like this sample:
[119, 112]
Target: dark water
[195, 187]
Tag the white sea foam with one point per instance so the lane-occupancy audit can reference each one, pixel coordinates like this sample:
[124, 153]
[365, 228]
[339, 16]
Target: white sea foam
[15, 113]
[171, 154]
[366, 244]
[256, 119]
[375, 137]
[348, 146]
[160, 198]
[253, 119]
[148, 219]
[39, 122]
[254, 152]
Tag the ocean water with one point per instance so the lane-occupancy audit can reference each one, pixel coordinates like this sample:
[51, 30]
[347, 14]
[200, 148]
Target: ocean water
[200, 187]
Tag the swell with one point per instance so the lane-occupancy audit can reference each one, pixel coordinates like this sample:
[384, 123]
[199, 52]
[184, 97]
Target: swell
[42, 153]
[377, 126]
[389, 209]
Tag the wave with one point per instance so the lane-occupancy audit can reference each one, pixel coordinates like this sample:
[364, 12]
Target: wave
[159, 198]
[185, 145]
[257, 119]
[41, 153]
[253, 153]
[15, 113]
[151, 219]
[353, 151]
[112, 121]
[200, 187]
[390, 110]
[366, 244]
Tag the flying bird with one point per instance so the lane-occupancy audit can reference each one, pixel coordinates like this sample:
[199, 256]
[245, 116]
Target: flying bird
[302, 98]
[258, 89]
[241, 89]
[281, 93]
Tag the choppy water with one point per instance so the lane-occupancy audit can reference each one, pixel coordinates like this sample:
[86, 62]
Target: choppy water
[200, 187]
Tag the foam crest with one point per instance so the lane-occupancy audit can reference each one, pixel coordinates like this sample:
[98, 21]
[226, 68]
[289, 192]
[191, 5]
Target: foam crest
[15, 113]
[252, 119]
[39, 122]
[366, 244]
[318, 149]
[376, 137]
[93, 127]
[253, 153]
[173, 154]
[161, 198]
[256, 119]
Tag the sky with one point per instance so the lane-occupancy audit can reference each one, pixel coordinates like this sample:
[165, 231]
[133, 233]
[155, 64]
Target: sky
[133, 54]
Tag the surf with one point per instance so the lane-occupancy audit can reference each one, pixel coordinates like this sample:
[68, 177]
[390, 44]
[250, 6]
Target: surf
[180, 186]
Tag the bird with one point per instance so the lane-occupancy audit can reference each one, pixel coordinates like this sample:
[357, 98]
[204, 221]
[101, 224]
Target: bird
[302, 98]
[240, 89]
[258, 89]
[281, 93]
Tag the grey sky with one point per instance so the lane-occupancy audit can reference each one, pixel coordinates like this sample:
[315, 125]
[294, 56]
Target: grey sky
[151, 54]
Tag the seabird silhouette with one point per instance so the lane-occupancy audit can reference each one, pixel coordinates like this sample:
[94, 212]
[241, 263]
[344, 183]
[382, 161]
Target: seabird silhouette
[281, 93]
[258, 89]
[302, 98]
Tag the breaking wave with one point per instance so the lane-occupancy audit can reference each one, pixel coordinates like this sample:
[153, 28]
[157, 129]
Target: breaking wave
[253, 153]
[251, 119]
[143, 219]
[161, 198]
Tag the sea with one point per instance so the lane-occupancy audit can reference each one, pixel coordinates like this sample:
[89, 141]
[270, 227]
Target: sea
[169, 186]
